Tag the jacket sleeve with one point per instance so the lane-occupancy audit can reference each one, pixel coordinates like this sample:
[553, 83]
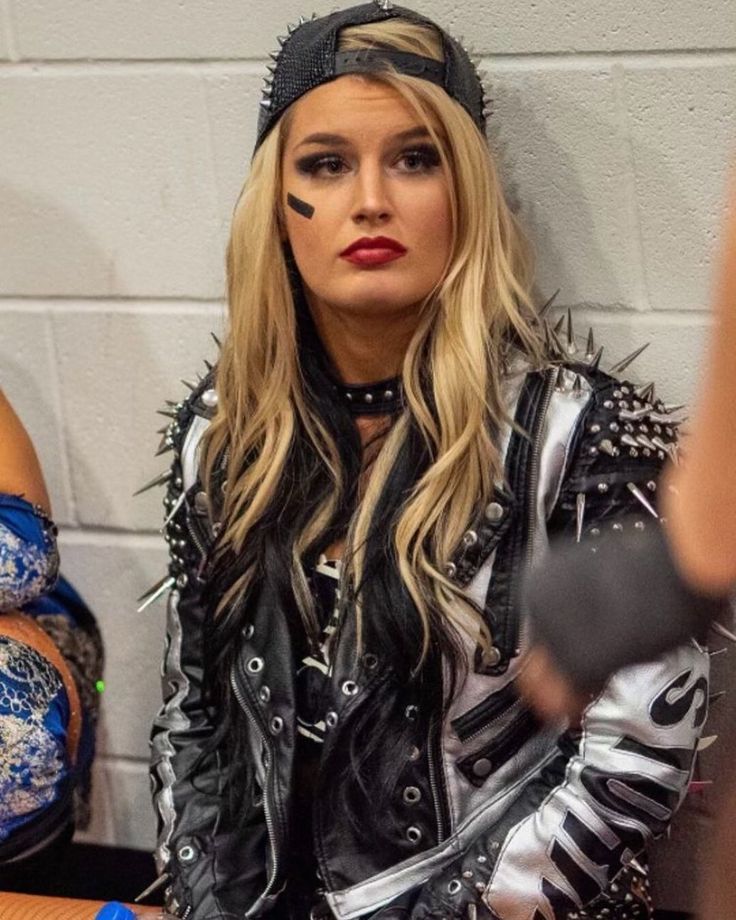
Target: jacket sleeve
[615, 783]
[184, 771]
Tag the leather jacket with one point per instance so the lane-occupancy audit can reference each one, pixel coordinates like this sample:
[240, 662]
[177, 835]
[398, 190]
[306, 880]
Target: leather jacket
[495, 812]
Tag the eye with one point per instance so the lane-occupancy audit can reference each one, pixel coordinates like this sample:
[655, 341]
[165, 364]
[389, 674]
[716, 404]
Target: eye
[420, 159]
[320, 165]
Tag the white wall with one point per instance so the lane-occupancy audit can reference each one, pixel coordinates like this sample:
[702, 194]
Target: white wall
[125, 131]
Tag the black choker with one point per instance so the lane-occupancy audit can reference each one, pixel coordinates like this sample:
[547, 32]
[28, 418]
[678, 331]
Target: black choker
[383, 398]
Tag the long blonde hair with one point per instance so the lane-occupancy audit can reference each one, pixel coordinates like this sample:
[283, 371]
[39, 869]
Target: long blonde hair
[452, 370]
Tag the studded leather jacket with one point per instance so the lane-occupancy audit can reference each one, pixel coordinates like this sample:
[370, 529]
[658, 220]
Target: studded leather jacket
[495, 814]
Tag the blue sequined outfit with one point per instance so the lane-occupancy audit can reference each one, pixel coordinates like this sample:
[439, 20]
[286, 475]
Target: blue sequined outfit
[41, 791]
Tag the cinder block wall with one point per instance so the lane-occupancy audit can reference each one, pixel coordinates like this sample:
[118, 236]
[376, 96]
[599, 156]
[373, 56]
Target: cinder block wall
[125, 133]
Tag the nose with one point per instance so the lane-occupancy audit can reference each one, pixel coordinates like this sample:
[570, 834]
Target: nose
[372, 203]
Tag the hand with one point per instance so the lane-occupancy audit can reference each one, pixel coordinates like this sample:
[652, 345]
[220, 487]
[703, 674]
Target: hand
[547, 691]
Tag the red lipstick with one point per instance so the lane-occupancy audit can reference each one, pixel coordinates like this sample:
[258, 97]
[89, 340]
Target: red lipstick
[373, 250]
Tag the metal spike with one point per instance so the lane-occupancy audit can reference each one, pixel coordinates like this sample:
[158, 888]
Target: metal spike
[282, 39]
[722, 631]
[217, 341]
[189, 385]
[265, 103]
[718, 651]
[171, 403]
[644, 441]
[302, 20]
[291, 28]
[314, 16]
[706, 742]
[629, 440]
[572, 348]
[163, 430]
[154, 593]
[559, 324]
[164, 447]
[633, 415]
[635, 864]
[170, 516]
[629, 359]
[154, 886]
[545, 307]
[714, 697]
[641, 498]
[646, 393]
[577, 387]
[158, 481]
[579, 515]
[590, 345]
[594, 364]
[560, 380]
[607, 447]
[271, 68]
[671, 409]
[274, 55]
[553, 343]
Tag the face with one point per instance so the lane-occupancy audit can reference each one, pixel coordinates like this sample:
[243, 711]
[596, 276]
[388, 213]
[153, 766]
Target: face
[379, 235]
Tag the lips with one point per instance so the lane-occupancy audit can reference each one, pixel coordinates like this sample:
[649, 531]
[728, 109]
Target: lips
[374, 250]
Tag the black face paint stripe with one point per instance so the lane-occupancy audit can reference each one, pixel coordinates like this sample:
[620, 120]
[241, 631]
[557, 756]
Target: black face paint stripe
[301, 207]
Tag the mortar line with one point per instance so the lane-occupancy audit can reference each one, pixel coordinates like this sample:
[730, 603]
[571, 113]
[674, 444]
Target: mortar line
[8, 22]
[256, 64]
[632, 199]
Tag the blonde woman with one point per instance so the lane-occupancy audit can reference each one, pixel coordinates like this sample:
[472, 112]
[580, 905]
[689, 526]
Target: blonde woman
[389, 438]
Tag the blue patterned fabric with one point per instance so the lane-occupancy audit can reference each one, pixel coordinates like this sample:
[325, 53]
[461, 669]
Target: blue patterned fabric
[36, 775]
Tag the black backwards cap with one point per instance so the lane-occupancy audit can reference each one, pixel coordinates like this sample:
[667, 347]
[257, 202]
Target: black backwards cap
[308, 57]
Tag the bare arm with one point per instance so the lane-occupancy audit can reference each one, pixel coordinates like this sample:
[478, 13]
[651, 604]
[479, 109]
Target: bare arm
[20, 471]
[701, 510]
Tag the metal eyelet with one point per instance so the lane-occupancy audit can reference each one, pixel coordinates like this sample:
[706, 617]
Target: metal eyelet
[454, 886]
[494, 512]
[264, 694]
[331, 719]
[248, 631]
[186, 854]
[413, 834]
[349, 688]
[412, 795]
[276, 725]
[370, 661]
[255, 665]
[411, 712]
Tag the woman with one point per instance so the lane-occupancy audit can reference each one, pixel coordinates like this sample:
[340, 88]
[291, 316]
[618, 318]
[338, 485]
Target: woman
[355, 492]
[50, 662]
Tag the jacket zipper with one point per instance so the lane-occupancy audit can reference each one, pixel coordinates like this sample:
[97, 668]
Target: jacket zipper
[434, 786]
[269, 775]
[534, 462]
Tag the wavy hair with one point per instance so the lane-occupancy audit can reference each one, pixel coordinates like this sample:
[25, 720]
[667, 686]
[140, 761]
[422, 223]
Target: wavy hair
[291, 454]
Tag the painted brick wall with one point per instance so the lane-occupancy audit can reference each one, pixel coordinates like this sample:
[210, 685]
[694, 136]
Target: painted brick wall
[125, 133]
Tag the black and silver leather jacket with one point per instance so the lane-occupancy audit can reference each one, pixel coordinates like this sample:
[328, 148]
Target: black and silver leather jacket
[494, 811]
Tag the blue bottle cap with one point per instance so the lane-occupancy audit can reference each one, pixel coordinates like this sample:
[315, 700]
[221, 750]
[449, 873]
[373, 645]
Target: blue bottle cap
[114, 910]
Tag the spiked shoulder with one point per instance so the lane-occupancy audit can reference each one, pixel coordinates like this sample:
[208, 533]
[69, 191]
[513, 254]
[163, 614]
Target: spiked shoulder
[622, 440]
[186, 510]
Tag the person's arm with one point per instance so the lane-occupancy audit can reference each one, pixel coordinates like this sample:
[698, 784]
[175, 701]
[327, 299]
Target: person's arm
[701, 508]
[617, 783]
[20, 471]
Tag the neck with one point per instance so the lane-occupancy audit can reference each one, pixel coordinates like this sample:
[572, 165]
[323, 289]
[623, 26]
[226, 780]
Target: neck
[364, 348]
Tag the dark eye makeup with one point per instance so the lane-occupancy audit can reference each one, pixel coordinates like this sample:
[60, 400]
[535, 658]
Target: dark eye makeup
[418, 158]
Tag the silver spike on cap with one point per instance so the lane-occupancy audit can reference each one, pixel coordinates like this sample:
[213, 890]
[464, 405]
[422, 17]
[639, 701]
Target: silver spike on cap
[154, 593]
[157, 481]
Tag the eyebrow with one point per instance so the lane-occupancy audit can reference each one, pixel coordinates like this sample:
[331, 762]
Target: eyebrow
[337, 140]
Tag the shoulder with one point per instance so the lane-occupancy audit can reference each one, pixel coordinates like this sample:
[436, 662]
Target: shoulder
[189, 419]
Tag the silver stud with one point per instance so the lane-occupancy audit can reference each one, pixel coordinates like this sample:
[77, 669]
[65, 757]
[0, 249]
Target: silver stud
[264, 694]
[368, 397]
[248, 631]
[413, 834]
[481, 859]
[492, 656]
[331, 719]
[608, 404]
[618, 527]
[276, 725]
[388, 394]
[414, 754]
[349, 687]
[411, 712]
[480, 887]
[468, 873]
[639, 525]
[603, 487]
[255, 665]
[595, 532]
[451, 570]
[412, 795]
[181, 581]
[470, 538]
[493, 512]
[201, 502]
[482, 767]
[186, 854]
[594, 429]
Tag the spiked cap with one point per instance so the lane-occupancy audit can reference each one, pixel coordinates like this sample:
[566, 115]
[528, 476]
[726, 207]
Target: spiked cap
[308, 57]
